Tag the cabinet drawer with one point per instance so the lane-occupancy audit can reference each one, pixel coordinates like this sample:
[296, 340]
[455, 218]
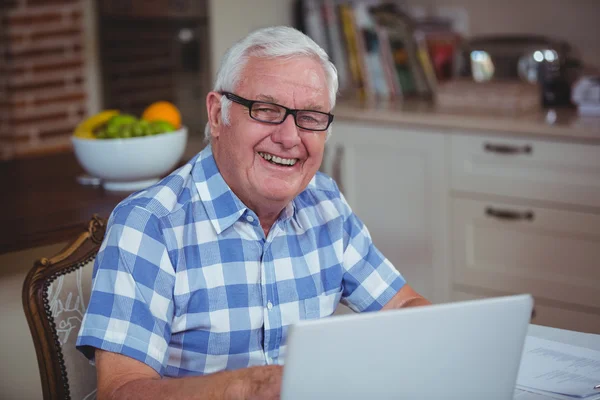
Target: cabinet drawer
[532, 169]
[552, 254]
[545, 314]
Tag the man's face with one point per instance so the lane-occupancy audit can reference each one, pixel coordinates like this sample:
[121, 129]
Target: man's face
[297, 83]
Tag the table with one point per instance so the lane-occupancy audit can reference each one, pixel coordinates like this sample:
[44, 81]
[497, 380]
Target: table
[588, 340]
[42, 203]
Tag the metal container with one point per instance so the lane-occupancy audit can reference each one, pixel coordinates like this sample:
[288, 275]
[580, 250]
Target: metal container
[528, 58]
[510, 57]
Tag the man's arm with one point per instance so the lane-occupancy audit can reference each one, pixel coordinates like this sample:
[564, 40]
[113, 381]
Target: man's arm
[121, 377]
[406, 297]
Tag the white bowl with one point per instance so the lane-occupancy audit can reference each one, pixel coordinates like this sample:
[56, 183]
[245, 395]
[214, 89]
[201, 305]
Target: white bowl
[133, 163]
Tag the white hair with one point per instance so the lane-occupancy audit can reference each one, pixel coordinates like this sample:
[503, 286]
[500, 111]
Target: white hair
[272, 42]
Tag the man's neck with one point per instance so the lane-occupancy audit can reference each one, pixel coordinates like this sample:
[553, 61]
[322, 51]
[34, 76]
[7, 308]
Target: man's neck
[267, 219]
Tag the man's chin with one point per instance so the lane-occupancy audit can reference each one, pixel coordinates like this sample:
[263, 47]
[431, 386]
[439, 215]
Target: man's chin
[283, 198]
[278, 194]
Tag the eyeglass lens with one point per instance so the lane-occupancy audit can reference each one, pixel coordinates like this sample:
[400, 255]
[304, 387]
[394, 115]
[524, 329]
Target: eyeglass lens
[272, 113]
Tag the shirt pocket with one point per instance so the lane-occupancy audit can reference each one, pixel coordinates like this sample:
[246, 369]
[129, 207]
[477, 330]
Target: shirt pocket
[322, 306]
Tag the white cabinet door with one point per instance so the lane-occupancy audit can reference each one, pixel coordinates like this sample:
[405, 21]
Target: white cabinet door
[510, 247]
[394, 181]
[526, 169]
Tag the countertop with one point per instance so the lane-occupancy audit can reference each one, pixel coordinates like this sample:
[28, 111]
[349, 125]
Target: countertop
[557, 124]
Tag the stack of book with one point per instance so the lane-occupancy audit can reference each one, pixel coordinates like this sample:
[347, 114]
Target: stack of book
[380, 52]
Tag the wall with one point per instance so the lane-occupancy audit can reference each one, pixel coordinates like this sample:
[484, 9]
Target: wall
[93, 80]
[19, 375]
[575, 21]
[45, 93]
[230, 20]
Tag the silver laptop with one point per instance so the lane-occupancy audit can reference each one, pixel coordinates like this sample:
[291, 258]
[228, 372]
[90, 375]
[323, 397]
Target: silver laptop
[462, 350]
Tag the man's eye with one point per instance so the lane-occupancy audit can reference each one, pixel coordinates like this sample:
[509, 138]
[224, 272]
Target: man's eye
[267, 110]
[308, 119]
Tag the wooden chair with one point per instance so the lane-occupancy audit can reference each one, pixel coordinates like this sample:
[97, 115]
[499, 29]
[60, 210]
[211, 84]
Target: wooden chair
[55, 294]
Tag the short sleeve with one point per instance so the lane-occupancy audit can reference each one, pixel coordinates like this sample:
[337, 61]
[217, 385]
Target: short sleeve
[131, 304]
[370, 280]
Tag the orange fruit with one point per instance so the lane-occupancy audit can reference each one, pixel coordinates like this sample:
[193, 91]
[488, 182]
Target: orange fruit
[163, 111]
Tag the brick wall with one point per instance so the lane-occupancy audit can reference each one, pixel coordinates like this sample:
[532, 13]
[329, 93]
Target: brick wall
[42, 82]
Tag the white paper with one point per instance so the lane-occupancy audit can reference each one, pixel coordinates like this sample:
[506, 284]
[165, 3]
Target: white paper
[533, 394]
[559, 368]
[525, 395]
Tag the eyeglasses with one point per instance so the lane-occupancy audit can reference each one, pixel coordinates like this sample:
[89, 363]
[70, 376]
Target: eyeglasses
[272, 113]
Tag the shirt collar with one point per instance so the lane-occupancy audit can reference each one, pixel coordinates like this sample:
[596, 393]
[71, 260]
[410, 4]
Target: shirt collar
[222, 206]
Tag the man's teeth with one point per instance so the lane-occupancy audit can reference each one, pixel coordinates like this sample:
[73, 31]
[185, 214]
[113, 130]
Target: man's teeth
[278, 160]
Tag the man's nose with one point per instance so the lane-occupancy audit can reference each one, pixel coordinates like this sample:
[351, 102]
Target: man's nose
[287, 133]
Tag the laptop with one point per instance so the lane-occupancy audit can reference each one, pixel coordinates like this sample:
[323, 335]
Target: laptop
[462, 350]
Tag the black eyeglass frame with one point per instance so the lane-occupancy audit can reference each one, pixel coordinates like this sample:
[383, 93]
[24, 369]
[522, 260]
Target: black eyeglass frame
[249, 103]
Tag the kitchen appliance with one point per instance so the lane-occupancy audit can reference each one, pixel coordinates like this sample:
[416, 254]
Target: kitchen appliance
[528, 58]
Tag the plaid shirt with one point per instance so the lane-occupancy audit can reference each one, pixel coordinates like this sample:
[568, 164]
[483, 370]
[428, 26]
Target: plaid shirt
[187, 283]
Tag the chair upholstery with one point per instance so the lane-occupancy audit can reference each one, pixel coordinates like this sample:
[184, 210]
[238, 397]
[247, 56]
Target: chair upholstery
[56, 292]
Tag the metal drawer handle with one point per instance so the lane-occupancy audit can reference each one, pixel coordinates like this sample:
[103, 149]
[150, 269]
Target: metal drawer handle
[509, 215]
[507, 149]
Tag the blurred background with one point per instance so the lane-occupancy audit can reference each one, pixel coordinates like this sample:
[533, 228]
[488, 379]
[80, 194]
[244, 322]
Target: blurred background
[62, 61]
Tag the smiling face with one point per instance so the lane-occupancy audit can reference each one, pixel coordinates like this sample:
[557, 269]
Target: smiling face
[267, 165]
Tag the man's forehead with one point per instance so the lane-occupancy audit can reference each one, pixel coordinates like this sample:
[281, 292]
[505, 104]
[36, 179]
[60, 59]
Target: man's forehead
[301, 80]
[306, 70]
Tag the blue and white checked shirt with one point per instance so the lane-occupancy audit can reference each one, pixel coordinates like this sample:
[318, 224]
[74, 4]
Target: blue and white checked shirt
[187, 283]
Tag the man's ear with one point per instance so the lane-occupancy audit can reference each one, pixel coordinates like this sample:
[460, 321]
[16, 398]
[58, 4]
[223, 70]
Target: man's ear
[213, 106]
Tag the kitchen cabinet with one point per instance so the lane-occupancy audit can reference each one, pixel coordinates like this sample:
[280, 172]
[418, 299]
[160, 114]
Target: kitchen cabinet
[468, 214]
[395, 182]
[526, 218]
[503, 247]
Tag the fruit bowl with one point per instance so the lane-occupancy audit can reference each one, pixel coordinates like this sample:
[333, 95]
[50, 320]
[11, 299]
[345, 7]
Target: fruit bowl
[133, 163]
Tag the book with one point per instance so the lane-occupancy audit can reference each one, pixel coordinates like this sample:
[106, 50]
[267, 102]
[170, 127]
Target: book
[399, 39]
[389, 67]
[313, 23]
[425, 60]
[353, 48]
[371, 53]
[337, 48]
[442, 44]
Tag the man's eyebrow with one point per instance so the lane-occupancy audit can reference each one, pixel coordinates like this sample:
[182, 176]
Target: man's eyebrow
[313, 107]
[267, 98]
[271, 99]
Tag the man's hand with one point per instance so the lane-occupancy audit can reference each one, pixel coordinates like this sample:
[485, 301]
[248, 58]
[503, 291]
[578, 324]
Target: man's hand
[263, 383]
[121, 377]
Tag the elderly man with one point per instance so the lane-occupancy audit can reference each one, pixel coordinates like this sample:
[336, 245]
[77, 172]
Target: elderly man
[200, 275]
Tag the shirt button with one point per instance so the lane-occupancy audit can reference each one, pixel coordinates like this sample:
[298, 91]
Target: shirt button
[250, 218]
[269, 306]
